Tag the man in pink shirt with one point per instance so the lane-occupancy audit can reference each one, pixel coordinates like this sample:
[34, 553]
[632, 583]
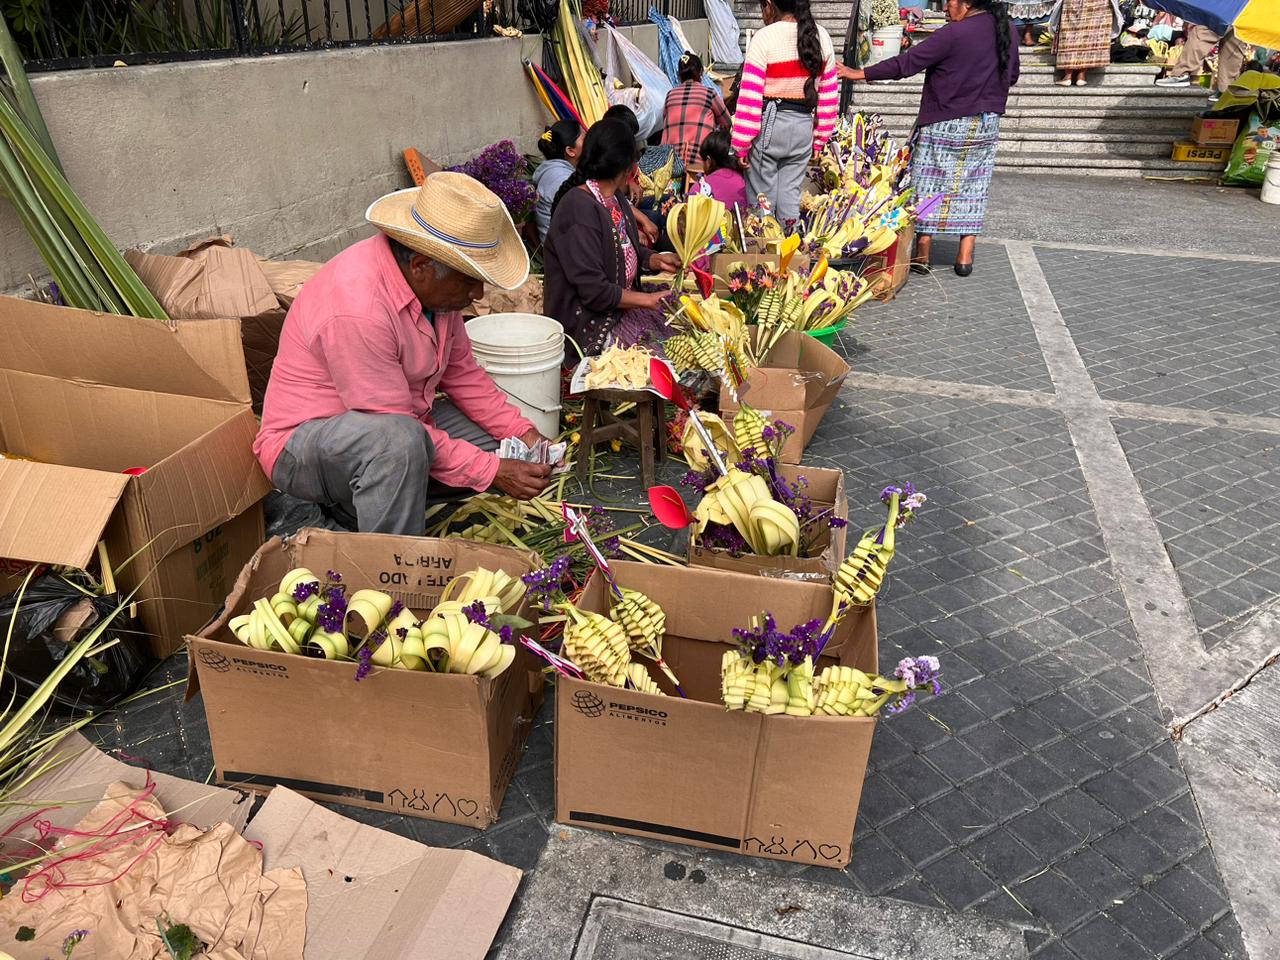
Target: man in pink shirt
[350, 419]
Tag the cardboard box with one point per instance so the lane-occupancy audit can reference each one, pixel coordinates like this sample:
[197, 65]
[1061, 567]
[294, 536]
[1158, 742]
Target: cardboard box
[690, 771]
[89, 395]
[826, 490]
[1206, 131]
[892, 269]
[431, 745]
[370, 893]
[1192, 153]
[797, 384]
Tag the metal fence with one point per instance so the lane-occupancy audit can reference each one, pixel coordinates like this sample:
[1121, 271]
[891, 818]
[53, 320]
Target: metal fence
[67, 34]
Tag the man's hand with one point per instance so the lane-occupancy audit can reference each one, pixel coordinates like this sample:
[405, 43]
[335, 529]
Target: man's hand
[524, 481]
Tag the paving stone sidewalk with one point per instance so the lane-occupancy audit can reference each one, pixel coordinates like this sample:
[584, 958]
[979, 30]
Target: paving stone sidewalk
[1043, 787]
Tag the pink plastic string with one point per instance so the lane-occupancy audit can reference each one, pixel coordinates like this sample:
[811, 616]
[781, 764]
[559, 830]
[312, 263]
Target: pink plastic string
[124, 828]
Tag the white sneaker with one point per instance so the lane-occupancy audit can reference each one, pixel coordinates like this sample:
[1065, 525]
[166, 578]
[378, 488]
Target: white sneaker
[1183, 81]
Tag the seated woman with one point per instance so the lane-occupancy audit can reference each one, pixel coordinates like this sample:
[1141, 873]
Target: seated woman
[593, 255]
[561, 144]
[723, 171]
[649, 220]
[692, 110]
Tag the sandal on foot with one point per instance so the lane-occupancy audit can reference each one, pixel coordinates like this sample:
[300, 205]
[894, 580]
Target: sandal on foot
[964, 269]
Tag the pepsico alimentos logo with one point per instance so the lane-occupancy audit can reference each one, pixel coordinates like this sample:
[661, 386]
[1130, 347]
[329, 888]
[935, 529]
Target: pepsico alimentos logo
[215, 661]
[588, 704]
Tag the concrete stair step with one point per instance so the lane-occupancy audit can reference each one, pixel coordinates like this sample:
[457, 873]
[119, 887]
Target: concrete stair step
[1132, 173]
[1077, 137]
[1090, 163]
[1146, 94]
[1138, 121]
[1119, 111]
[1071, 152]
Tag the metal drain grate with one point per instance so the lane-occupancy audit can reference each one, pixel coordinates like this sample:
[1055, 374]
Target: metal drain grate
[616, 930]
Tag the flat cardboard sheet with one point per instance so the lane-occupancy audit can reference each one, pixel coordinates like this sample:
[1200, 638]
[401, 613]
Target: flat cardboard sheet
[73, 787]
[377, 895]
[370, 893]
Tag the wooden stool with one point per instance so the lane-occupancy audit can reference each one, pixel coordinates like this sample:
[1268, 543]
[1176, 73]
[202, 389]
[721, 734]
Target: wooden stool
[648, 431]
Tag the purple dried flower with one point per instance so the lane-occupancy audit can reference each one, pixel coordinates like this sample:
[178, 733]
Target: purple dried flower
[72, 940]
[502, 169]
[364, 663]
[544, 584]
[332, 614]
[697, 481]
[334, 576]
[397, 608]
[506, 634]
[719, 537]
[476, 613]
[920, 673]
[306, 590]
[765, 642]
[837, 523]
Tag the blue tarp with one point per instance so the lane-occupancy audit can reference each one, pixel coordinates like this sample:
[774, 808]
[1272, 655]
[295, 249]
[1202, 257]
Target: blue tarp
[1217, 15]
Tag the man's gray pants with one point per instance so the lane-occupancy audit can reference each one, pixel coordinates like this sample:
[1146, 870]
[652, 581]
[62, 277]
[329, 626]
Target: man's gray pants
[373, 467]
[779, 160]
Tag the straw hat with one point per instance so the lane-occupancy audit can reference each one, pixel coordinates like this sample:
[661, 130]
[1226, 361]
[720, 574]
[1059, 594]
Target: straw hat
[458, 221]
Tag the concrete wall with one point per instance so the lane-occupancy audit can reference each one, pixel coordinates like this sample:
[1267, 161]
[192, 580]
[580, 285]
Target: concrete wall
[284, 153]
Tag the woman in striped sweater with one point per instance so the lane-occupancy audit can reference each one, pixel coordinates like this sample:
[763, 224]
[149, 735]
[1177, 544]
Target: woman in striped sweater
[787, 103]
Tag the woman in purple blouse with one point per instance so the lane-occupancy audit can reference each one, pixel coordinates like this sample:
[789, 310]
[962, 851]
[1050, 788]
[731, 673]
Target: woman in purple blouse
[969, 66]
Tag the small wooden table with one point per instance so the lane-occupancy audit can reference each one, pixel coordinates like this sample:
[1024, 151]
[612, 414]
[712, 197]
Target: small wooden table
[647, 431]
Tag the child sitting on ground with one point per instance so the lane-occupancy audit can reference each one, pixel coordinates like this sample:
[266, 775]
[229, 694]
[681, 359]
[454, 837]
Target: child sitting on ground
[723, 173]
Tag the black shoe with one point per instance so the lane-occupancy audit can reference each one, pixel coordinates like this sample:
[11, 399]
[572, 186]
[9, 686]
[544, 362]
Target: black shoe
[964, 269]
[921, 268]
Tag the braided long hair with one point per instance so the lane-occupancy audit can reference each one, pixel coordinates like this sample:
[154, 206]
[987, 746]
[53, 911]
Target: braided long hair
[808, 45]
[608, 150]
[1004, 37]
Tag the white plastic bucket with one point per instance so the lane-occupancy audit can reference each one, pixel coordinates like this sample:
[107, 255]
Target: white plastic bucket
[1271, 180]
[523, 353]
[886, 43]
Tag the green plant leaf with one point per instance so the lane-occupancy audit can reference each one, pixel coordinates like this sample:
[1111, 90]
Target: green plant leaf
[11, 61]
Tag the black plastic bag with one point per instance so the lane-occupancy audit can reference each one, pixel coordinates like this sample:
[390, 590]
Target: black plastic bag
[36, 647]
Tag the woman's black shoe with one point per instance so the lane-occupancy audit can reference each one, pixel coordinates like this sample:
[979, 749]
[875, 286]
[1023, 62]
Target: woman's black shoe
[964, 269]
[921, 268]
